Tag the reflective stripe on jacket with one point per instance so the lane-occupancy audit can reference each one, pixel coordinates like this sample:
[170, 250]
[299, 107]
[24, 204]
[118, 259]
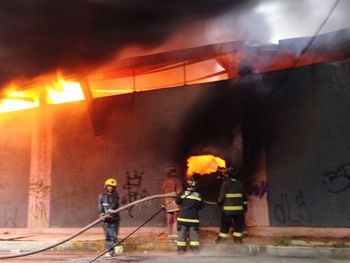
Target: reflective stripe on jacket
[190, 203]
[233, 197]
[108, 201]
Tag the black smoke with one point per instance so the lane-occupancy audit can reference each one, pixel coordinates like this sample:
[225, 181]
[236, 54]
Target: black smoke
[40, 36]
[222, 109]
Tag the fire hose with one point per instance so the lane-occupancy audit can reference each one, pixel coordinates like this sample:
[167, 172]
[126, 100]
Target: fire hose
[144, 223]
[92, 224]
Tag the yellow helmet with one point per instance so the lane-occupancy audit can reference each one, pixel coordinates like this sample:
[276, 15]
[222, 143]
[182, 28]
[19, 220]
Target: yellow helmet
[111, 182]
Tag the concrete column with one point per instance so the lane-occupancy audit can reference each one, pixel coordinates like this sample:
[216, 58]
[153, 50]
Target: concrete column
[258, 211]
[40, 169]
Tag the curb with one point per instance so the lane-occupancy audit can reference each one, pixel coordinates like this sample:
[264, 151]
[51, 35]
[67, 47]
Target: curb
[308, 252]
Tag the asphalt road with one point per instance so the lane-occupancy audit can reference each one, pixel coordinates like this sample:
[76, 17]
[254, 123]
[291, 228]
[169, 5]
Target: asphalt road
[164, 257]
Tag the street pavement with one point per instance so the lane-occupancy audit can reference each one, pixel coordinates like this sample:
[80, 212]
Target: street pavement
[162, 257]
[152, 245]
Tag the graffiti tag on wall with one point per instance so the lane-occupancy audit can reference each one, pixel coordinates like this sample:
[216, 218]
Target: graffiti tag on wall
[9, 218]
[339, 180]
[3, 186]
[39, 191]
[292, 209]
[258, 190]
[8, 214]
[134, 189]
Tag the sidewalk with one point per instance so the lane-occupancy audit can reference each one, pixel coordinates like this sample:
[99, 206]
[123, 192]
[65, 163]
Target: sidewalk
[148, 240]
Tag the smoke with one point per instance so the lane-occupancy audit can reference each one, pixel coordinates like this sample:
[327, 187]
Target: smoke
[290, 19]
[40, 36]
[264, 21]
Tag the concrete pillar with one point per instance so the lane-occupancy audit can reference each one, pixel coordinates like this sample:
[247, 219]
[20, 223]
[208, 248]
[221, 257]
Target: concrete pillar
[40, 169]
[258, 211]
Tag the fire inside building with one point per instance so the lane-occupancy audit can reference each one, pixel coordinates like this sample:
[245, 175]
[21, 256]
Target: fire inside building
[280, 115]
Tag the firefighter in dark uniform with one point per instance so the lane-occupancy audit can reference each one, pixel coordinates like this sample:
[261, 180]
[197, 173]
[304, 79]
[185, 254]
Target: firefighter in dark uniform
[190, 202]
[109, 199]
[234, 200]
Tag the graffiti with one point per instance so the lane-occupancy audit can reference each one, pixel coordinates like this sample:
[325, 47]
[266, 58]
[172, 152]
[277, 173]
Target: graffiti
[7, 220]
[4, 202]
[338, 181]
[3, 186]
[258, 190]
[134, 189]
[294, 212]
[38, 189]
[38, 211]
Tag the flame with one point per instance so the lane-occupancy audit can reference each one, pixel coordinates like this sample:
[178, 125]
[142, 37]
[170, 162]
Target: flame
[106, 82]
[62, 91]
[59, 91]
[203, 164]
[18, 100]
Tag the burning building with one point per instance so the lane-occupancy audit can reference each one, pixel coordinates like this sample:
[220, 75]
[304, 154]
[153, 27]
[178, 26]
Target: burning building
[277, 112]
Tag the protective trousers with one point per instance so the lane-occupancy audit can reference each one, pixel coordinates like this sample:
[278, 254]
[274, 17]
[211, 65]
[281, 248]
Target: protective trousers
[227, 221]
[111, 230]
[171, 220]
[194, 237]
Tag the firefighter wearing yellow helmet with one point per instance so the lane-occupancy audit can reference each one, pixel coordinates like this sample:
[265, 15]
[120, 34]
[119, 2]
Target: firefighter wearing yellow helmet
[109, 199]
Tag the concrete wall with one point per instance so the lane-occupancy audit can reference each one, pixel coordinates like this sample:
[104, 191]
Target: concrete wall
[134, 137]
[299, 134]
[307, 146]
[15, 141]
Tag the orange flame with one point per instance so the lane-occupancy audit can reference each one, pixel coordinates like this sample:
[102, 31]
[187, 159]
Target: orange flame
[18, 100]
[59, 91]
[203, 164]
[62, 91]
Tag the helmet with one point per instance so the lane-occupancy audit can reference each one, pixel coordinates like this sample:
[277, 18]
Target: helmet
[111, 182]
[231, 172]
[191, 183]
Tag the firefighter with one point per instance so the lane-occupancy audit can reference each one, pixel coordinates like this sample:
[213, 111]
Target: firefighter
[170, 184]
[190, 202]
[234, 200]
[109, 199]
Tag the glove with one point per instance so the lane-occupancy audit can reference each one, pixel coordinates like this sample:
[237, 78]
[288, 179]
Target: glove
[106, 215]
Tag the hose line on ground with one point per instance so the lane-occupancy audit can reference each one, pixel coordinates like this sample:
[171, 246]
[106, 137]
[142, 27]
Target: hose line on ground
[134, 231]
[92, 224]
